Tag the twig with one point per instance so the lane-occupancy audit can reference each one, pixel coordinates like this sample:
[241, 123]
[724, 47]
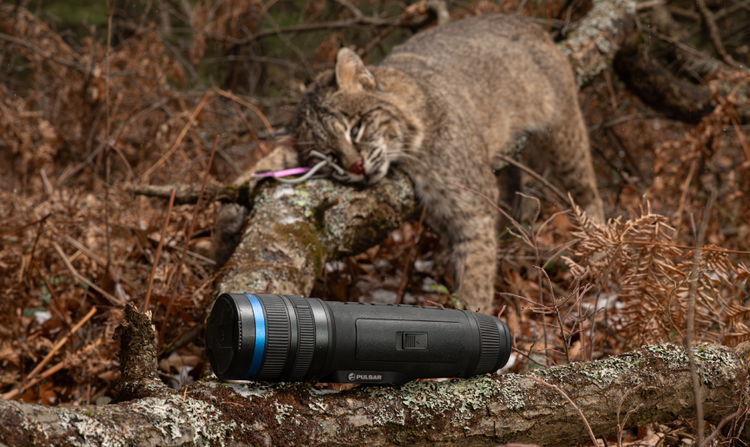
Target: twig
[93, 256]
[349, 23]
[410, 257]
[688, 49]
[690, 333]
[515, 223]
[557, 311]
[158, 251]
[687, 13]
[713, 249]
[46, 359]
[7, 233]
[648, 4]
[44, 54]
[527, 356]
[192, 254]
[15, 392]
[532, 236]
[583, 418]
[739, 133]
[78, 276]
[182, 134]
[187, 193]
[283, 37]
[247, 124]
[182, 340]
[532, 173]
[239, 100]
[713, 31]
[721, 425]
[122, 157]
[188, 235]
[353, 9]
[541, 309]
[107, 161]
[683, 197]
[612, 95]
[619, 406]
[64, 317]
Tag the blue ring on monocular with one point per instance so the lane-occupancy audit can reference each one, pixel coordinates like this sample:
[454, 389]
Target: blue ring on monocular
[260, 336]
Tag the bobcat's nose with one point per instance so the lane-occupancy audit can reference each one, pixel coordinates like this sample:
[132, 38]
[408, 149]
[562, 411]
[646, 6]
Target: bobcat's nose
[357, 168]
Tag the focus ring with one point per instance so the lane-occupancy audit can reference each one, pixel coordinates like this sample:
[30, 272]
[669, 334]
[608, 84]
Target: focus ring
[306, 347]
[490, 344]
[277, 339]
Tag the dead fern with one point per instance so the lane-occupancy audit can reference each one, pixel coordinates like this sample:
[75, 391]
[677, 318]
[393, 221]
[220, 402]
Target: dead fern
[638, 260]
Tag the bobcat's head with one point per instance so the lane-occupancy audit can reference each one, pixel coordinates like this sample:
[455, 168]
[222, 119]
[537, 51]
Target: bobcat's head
[348, 114]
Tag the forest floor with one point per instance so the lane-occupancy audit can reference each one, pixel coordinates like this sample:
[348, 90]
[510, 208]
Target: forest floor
[68, 150]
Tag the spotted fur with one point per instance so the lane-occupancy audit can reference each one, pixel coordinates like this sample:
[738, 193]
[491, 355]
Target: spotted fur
[442, 106]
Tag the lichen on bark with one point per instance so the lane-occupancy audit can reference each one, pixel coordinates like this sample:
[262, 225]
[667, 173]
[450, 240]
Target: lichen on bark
[294, 230]
[484, 410]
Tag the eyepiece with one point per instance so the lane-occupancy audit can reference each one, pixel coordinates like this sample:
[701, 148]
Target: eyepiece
[290, 338]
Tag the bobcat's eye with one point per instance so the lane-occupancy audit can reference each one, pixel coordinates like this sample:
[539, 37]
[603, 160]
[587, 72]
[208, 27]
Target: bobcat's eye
[354, 132]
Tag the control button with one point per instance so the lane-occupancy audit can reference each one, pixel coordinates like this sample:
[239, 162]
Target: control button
[414, 340]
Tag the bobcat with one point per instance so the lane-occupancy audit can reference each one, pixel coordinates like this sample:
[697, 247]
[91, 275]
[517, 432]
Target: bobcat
[442, 106]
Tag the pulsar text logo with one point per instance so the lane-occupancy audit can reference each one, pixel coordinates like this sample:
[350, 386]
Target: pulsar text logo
[352, 377]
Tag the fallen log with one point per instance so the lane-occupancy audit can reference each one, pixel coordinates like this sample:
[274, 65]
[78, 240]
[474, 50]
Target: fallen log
[653, 381]
[294, 230]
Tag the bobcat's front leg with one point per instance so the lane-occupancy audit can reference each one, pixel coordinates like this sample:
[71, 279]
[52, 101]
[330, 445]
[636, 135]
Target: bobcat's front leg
[474, 262]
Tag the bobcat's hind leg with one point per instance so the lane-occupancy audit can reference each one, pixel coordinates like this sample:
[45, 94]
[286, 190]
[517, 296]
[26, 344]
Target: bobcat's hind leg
[568, 149]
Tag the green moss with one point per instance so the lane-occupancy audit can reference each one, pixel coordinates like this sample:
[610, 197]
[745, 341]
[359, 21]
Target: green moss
[306, 238]
[319, 213]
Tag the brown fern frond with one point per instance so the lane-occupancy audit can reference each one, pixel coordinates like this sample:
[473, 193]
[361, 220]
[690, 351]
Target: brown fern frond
[638, 260]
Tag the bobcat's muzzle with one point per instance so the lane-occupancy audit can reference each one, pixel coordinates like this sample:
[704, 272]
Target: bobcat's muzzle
[357, 168]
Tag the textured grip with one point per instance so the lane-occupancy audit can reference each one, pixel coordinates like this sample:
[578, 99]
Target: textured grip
[306, 331]
[490, 344]
[277, 340]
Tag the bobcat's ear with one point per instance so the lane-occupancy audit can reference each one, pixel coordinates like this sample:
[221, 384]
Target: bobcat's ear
[351, 71]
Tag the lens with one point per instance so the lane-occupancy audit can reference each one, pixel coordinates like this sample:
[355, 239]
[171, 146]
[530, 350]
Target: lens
[262, 337]
[290, 338]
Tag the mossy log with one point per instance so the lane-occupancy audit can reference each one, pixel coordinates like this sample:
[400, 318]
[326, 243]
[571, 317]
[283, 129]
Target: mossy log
[485, 410]
[294, 230]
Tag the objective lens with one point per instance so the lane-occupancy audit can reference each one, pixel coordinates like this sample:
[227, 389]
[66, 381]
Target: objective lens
[290, 338]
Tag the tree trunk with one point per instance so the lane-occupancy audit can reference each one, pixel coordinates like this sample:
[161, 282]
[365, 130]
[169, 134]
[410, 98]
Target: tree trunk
[654, 381]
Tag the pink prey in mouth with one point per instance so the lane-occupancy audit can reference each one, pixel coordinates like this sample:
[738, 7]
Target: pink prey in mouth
[357, 168]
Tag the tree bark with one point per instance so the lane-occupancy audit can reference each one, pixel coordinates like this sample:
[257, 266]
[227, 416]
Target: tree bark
[294, 230]
[654, 381]
[598, 37]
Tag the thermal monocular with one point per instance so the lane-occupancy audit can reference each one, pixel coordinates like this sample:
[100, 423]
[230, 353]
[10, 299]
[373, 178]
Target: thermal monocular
[290, 338]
